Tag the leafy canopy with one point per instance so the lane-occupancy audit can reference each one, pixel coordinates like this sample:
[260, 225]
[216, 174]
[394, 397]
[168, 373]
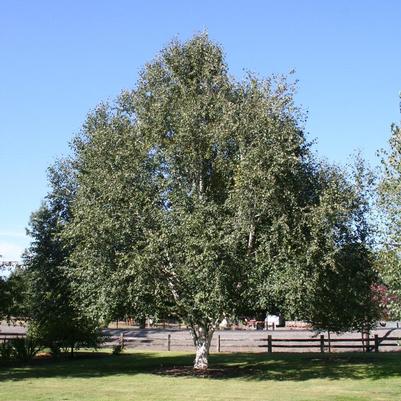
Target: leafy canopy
[198, 195]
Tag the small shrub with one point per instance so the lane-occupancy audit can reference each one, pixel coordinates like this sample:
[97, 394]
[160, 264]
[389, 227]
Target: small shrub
[117, 349]
[5, 351]
[24, 349]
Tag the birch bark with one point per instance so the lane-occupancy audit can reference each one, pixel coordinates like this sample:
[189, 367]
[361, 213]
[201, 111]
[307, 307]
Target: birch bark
[202, 337]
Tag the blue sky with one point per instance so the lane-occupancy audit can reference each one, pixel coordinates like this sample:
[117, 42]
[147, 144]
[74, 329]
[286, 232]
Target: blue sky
[61, 58]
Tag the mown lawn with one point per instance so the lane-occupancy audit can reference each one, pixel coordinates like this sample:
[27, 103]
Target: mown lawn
[166, 376]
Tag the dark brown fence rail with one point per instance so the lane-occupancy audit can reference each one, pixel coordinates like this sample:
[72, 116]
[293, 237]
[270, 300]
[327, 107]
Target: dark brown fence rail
[10, 335]
[366, 344]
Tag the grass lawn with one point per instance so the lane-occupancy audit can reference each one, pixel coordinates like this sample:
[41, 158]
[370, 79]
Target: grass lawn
[166, 376]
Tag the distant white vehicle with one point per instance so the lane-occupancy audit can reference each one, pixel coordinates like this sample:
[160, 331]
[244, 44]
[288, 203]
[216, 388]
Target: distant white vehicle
[273, 321]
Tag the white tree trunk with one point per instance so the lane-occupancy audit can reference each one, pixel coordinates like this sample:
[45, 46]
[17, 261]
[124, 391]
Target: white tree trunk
[202, 356]
[251, 238]
[202, 337]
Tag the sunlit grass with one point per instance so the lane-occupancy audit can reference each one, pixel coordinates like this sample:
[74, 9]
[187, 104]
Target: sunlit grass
[165, 376]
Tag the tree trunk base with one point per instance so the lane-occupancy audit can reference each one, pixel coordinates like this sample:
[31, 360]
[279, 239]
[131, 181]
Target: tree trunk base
[202, 357]
[202, 337]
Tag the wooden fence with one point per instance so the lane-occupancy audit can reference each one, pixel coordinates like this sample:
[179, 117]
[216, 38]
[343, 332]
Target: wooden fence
[365, 344]
[10, 335]
[267, 344]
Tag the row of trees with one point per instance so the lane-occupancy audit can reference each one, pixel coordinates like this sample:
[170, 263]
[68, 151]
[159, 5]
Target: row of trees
[198, 196]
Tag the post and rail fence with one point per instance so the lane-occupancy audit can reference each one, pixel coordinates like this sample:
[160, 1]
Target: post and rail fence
[267, 344]
[366, 344]
[4, 336]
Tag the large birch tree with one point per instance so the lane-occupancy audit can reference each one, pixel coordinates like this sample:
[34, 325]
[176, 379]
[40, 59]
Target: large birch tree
[198, 194]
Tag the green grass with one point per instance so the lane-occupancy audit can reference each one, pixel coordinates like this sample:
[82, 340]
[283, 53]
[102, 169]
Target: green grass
[167, 376]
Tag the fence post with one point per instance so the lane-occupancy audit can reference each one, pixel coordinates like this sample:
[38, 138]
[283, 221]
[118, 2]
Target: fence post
[376, 343]
[322, 343]
[328, 337]
[168, 342]
[269, 343]
[273, 326]
[122, 340]
[218, 343]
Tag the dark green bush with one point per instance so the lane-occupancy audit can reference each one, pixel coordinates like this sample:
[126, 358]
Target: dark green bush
[24, 349]
[65, 335]
[117, 349]
[5, 351]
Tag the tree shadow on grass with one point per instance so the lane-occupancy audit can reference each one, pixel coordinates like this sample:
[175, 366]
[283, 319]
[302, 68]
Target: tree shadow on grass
[302, 367]
[252, 367]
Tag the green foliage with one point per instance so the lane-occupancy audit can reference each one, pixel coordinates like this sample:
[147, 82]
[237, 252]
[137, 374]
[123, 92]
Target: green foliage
[343, 296]
[19, 349]
[390, 202]
[55, 319]
[24, 349]
[342, 289]
[117, 349]
[6, 351]
[4, 298]
[199, 195]
[13, 294]
[18, 282]
[5, 294]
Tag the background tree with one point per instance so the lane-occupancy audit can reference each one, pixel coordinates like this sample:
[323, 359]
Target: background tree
[13, 292]
[344, 295]
[4, 295]
[390, 203]
[18, 282]
[199, 194]
[55, 319]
